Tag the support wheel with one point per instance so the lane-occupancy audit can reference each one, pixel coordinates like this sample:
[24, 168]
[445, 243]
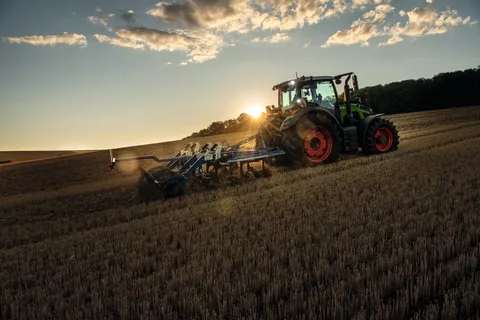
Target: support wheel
[147, 191]
[381, 137]
[314, 140]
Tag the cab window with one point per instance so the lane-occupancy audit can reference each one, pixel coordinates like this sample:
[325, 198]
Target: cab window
[321, 93]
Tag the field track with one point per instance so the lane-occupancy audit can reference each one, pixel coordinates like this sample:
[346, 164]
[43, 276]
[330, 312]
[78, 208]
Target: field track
[387, 236]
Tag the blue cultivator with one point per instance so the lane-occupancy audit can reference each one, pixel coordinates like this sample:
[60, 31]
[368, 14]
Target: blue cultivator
[201, 164]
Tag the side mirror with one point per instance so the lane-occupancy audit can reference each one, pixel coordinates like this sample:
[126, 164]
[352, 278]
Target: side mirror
[355, 82]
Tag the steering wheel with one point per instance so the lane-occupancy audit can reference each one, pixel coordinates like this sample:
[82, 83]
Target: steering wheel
[330, 101]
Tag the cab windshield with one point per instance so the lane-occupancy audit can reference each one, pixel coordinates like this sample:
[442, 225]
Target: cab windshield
[288, 97]
[321, 93]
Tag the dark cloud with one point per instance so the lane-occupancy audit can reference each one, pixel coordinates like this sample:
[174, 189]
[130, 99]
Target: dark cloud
[179, 13]
[128, 16]
[197, 13]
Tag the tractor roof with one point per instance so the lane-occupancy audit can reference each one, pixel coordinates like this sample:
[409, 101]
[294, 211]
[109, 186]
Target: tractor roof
[303, 78]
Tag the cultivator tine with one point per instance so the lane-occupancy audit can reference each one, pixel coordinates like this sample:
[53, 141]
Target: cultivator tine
[149, 177]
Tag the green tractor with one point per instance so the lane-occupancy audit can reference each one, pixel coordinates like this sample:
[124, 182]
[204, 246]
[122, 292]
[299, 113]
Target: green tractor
[310, 126]
[314, 126]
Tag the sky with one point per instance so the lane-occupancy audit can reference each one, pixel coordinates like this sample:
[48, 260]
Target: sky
[105, 74]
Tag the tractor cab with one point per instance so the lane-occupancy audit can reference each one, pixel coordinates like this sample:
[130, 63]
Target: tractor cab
[321, 92]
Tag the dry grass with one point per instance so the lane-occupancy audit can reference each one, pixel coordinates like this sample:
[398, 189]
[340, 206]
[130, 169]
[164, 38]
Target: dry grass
[386, 237]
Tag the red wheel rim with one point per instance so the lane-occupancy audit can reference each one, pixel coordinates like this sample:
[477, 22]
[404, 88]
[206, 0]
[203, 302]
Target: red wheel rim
[383, 139]
[317, 143]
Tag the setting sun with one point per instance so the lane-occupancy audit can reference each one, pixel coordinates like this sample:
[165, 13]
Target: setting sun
[255, 111]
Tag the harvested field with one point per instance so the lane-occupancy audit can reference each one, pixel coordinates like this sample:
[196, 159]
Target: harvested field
[25, 156]
[390, 236]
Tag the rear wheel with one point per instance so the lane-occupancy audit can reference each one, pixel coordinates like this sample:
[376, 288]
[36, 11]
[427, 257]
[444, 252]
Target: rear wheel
[314, 140]
[381, 137]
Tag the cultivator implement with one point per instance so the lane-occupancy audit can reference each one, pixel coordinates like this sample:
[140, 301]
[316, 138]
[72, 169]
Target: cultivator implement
[198, 165]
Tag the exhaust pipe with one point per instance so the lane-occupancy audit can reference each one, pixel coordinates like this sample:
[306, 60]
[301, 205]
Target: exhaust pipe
[346, 97]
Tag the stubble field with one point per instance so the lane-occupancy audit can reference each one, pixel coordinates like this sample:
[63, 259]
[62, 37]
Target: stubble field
[390, 236]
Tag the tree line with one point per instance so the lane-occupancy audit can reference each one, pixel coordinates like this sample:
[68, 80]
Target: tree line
[243, 122]
[444, 90]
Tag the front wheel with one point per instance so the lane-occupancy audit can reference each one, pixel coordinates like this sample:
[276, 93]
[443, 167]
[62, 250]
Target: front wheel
[314, 140]
[381, 137]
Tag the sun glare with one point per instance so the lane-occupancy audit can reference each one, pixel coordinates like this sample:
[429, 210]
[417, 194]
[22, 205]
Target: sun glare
[255, 111]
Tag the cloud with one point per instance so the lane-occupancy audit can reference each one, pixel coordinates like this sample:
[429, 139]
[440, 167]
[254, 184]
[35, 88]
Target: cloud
[128, 16]
[427, 21]
[196, 14]
[226, 16]
[363, 29]
[199, 47]
[288, 15]
[339, 6]
[360, 32]
[71, 39]
[362, 4]
[201, 28]
[421, 22]
[283, 15]
[379, 14]
[101, 20]
[276, 38]
[244, 16]
[119, 42]
[393, 40]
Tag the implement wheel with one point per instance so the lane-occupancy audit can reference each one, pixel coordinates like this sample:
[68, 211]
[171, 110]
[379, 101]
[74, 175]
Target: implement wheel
[381, 137]
[314, 140]
[149, 191]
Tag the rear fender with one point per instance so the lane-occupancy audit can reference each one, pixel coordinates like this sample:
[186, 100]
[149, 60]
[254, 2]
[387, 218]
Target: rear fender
[363, 126]
[290, 121]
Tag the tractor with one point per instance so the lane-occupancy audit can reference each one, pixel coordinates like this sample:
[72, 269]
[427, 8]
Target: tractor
[314, 126]
[310, 126]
